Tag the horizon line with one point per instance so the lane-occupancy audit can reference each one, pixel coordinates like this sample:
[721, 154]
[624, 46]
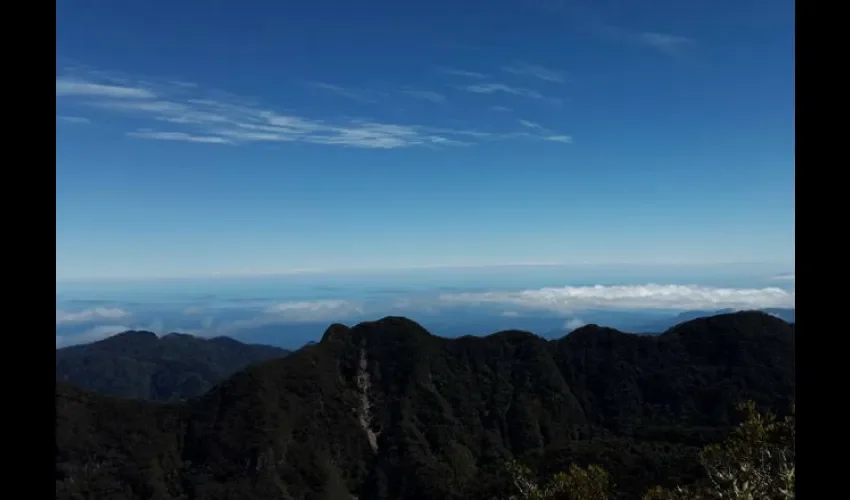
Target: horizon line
[402, 268]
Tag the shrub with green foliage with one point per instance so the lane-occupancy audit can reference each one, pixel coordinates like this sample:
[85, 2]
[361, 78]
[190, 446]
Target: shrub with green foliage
[590, 483]
[756, 462]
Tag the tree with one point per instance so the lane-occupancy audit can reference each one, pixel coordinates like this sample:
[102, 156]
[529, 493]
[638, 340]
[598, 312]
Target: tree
[578, 483]
[756, 462]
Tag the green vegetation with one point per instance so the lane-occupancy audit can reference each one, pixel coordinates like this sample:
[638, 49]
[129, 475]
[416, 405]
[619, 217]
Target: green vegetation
[139, 365]
[756, 462]
[446, 416]
[578, 483]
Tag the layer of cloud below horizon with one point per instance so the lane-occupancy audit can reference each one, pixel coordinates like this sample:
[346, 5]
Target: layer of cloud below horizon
[565, 301]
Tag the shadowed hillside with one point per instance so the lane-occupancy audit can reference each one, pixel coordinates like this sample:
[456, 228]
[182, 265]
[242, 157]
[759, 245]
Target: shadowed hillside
[661, 325]
[387, 410]
[139, 365]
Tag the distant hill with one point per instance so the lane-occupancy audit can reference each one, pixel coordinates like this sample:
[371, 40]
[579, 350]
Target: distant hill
[661, 325]
[140, 365]
[781, 313]
[385, 410]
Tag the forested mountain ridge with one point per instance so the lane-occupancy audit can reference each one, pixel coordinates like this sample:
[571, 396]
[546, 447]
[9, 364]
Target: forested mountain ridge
[387, 410]
[140, 365]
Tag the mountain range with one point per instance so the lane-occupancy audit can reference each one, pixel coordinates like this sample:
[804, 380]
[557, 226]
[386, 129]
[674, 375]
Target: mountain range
[138, 364]
[386, 410]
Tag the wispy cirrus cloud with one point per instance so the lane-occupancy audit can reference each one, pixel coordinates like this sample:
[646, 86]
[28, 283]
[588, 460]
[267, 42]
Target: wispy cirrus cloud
[493, 88]
[668, 44]
[665, 43]
[461, 72]
[70, 87]
[590, 18]
[548, 135]
[80, 120]
[535, 71]
[672, 45]
[188, 85]
[186, 112]
[178, 136]
[426, 95]
[355, 94]
[501, 109]
[531, 125]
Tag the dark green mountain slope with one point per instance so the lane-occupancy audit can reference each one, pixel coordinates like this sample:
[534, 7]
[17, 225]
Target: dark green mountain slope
[140, 365]
[386, 410]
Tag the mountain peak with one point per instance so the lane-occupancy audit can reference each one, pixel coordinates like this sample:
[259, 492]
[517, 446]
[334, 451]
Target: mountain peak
[138, 365]
[225, 340]
[749, 323]
[391, 326]
[334, 332]
[132, 336]
[593, 330]
[514, 335]
[177, 336]
[394, 322]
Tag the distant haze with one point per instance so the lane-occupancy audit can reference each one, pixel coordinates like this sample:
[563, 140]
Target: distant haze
[288, 311]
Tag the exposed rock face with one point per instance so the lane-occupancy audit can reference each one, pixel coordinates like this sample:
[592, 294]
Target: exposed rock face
[364, 384]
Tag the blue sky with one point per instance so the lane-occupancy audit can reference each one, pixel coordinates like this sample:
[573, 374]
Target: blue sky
[196, 138]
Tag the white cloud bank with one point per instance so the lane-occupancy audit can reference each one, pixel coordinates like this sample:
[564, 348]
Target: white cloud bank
[651, 296]
[568, 301]
[318, 310]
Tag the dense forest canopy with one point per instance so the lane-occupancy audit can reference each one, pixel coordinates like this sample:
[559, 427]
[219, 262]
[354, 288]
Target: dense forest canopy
[386, 410]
